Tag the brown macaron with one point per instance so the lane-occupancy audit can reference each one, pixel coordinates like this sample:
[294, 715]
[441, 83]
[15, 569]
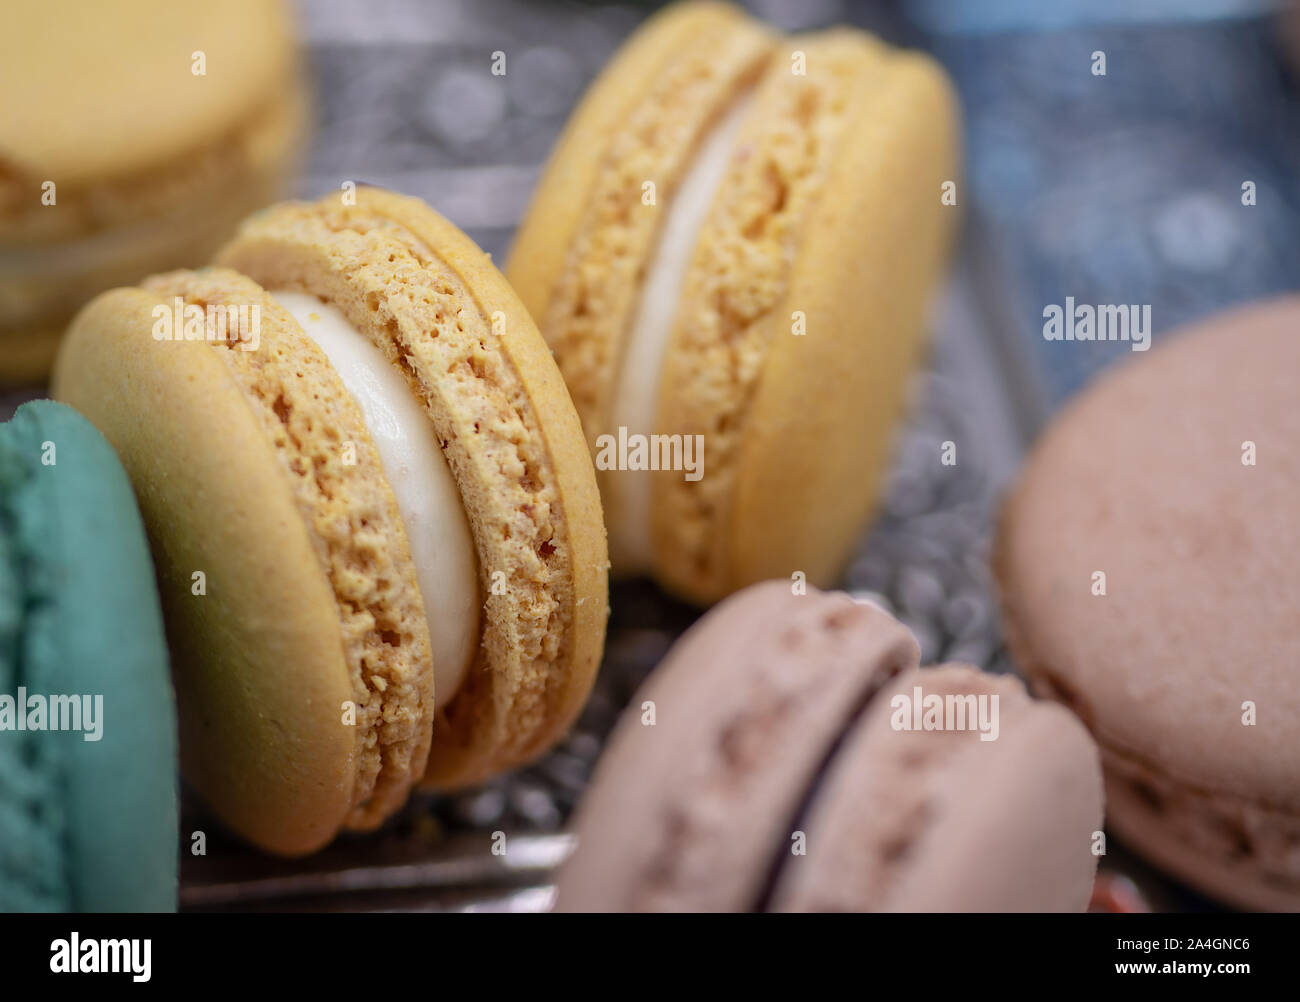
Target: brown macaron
[1149, 563]
[787, 756]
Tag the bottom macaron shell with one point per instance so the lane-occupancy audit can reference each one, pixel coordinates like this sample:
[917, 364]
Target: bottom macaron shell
[1202, 839]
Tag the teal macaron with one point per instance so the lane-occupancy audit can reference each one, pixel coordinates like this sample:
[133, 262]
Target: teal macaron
[88, 805]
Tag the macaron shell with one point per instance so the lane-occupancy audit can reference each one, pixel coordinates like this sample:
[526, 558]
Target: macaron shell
[798, 429]
[52, 261]
[405, 276]
[539, 253]
[1185, 836]
[928, 821]
[326, 453]
[1142, 478]
[91, 626]
[688, 814]
[586, 312]
[262, 732]
[110, 121]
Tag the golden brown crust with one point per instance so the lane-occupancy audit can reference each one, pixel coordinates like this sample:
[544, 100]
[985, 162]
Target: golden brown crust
[110, 89]
[560, 201]
[831, 209]
[427, 298]
[740, 273]
[589, 310]
[355, 527]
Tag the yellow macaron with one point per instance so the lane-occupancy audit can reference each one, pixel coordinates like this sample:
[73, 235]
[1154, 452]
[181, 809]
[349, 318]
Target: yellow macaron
[134, 136]
[730, 253]
[376, 524]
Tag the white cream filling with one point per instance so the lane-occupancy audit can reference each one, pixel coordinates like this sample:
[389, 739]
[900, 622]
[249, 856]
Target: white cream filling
[636, 392]
[442, 547]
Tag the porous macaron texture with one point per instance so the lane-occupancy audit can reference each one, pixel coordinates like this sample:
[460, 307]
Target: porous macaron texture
[33, 820]
[326, 452]
[1143, 478]
[834, 171]
[84, 825]
[582, 249]
[942, 820]
[830, 210]
[252, 620]
[432, 302]
[693, 812]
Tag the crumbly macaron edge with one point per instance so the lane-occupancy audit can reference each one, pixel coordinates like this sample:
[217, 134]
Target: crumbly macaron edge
[559, 202]
[355, 528]
[416, 287]
[588, 312]
[729, 307]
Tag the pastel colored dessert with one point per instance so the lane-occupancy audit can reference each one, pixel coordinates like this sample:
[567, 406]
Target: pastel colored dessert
[88, 816]
[1175, 477]
[390, 500]
[138, 135]
[778, 726]
[735, 238]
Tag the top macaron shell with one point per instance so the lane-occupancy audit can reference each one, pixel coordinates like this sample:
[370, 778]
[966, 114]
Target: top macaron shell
[261, 697]
[1144, 479]
[140, 134]
[830, 210]
[84, 825]
[129, 120]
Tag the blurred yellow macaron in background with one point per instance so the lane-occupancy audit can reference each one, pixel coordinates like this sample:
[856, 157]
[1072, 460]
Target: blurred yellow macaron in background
[730, 253]
[376, 525]
[134, 136]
